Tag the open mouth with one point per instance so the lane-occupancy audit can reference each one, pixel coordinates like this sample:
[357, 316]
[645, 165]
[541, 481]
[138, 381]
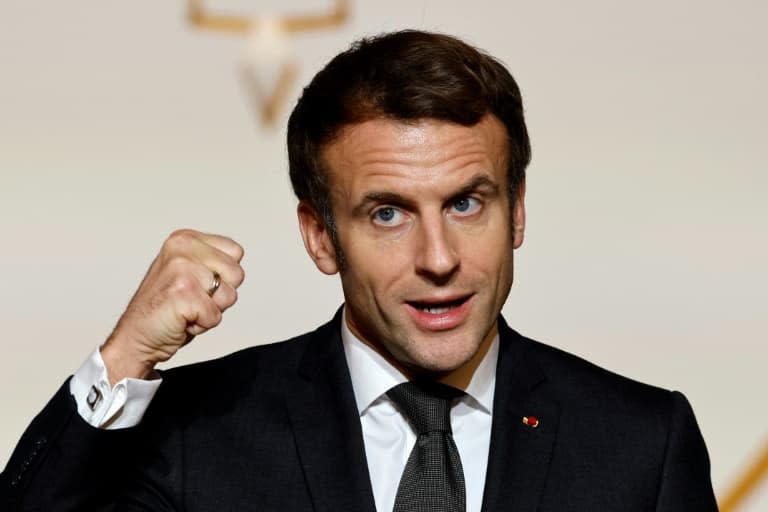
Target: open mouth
[433, 314]
[438, 308]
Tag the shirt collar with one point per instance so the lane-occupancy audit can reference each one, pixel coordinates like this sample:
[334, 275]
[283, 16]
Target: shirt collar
[372, 375]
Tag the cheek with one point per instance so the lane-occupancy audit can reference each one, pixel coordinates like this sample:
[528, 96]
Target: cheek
[506, 274]
[378, 264]
[367, 283]
[491, 264]
[491, 252]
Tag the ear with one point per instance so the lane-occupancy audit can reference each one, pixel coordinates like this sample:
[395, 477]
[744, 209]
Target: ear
[518, 217]
[317, 239]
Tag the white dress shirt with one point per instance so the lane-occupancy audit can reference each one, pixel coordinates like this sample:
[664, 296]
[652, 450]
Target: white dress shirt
[389, 438]
[103, 406]
[387, 435]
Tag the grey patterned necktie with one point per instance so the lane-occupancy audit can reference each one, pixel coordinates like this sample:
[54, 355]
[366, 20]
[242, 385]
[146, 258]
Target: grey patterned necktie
[433, 479]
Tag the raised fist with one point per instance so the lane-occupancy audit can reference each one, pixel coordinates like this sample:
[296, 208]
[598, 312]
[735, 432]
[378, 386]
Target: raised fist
[189, 285]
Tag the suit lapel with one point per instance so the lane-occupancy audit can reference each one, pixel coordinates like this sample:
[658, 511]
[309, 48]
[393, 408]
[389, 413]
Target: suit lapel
[519, 454]
[329, 439]
[326, 426]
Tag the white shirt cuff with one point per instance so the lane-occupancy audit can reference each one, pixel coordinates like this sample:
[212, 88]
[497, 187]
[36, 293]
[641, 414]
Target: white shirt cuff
[122, 406]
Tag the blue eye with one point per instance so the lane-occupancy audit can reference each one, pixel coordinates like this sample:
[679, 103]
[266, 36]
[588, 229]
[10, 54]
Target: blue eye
[388, 216]
[466, 205]
[385, 214]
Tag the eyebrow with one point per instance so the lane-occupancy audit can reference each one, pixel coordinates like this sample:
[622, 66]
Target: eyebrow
[380, 198]
[477, 182]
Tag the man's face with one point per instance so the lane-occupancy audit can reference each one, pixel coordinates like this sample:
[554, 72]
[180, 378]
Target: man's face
[423, 218]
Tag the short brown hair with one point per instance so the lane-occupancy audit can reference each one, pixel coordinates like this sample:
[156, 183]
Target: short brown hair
[406, 75]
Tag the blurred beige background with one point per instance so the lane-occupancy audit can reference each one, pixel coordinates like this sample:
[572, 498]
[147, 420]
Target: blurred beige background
[646, 245]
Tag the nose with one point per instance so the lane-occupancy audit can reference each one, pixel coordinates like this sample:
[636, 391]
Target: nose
[437, 257]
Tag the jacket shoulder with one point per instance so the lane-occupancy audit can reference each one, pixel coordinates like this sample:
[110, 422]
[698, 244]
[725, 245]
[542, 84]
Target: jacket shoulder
[640, 442]
[573, 381]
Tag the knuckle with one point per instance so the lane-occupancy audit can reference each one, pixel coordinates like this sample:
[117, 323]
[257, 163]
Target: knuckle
[185, 284]
[181, 233]
[179, 238]
[178, 264]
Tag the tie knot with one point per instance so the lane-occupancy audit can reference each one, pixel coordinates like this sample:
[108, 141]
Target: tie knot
[426, 405]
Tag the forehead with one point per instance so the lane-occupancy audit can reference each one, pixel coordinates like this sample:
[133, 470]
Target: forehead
[424, 151]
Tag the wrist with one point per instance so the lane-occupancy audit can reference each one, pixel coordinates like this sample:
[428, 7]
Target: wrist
[122, 363]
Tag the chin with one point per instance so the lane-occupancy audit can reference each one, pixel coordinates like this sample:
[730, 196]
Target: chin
[440, 364]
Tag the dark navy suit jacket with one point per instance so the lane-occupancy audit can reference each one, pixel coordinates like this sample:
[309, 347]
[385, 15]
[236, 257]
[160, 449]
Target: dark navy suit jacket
[276, 428]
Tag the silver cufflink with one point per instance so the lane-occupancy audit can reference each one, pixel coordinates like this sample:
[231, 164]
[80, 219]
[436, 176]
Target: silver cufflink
[94, 398]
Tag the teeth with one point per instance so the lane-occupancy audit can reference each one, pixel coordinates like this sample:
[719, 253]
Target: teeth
[437, 311]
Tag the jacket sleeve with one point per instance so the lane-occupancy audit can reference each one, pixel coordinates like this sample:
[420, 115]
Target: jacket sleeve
[685, 480]
[62, 463]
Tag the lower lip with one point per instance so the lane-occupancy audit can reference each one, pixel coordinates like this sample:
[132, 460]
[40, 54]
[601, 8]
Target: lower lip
[441, 321]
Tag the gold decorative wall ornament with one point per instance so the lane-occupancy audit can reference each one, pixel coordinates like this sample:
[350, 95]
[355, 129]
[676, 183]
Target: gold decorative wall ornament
[755, 475]
[268, 66]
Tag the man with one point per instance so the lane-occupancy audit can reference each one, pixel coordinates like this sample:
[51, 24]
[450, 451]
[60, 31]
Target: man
[408, 154]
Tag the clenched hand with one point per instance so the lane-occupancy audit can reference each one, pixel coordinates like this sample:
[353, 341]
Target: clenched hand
[172, 303]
